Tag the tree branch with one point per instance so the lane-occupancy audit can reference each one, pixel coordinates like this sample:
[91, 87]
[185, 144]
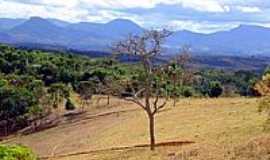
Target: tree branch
[157, 107]
[136, 101]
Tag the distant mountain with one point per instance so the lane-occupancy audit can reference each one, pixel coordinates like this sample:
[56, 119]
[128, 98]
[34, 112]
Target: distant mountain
[5, 38]
[121, 27]
[59, 23]
[37, 30]
[7, 24]
[243, 40]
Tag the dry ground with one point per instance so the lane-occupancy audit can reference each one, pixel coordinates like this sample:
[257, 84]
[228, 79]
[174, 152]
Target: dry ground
[216, 126]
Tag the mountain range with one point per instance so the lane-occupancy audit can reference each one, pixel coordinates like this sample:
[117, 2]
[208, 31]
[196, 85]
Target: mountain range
[240, 41]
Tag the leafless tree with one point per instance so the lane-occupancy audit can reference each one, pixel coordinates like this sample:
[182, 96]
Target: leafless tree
[177, 71]
[85, 91]
[147, 48]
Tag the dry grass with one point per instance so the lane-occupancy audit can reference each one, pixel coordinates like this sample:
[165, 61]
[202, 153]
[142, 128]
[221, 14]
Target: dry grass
[217, 126]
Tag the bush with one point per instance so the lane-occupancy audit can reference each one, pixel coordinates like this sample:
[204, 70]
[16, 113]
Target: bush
[215, 89]
[187, 92]
[16, 153]
[69, 105]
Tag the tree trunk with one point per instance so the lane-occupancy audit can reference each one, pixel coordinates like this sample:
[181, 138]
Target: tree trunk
[174, 93]
[152, 131]
[108, 99]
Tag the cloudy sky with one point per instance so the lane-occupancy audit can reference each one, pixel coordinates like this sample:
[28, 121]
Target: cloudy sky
[196, 15]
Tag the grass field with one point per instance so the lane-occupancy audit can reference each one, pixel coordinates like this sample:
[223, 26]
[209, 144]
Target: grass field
[194, 129]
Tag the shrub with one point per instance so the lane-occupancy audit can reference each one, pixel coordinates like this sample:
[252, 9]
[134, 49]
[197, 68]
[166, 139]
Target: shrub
[187, 92]
[69, 105]
[215, 89]
[15, 152]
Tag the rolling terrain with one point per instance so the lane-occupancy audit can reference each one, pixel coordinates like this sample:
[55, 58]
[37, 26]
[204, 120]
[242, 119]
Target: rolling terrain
[195, 129]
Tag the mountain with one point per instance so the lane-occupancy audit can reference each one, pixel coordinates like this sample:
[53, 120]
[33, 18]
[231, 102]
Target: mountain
[5, 38]
[38, 30]
[243, 40]
[7, 24]
[121, 27]
[58, 22]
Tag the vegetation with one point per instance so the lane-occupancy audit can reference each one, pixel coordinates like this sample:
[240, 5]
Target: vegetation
[262, 88]
[16, 153]
[33, 84]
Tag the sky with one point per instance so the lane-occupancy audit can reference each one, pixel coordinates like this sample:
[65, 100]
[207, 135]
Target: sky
[205, 16]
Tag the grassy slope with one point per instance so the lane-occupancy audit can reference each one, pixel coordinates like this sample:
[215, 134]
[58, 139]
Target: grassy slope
[215, 125]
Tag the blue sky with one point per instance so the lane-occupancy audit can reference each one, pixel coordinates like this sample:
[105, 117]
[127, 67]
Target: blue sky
[196, 15]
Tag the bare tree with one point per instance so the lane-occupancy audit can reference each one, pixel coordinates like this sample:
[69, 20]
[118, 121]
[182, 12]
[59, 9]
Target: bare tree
[147, 47]
[177, 71]
[85, 90]
[110, 86]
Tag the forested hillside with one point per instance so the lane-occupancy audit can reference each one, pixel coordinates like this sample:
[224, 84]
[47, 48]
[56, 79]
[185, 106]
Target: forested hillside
[34, 83]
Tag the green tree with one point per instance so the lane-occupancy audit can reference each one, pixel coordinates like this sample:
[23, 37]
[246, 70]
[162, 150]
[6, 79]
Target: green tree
[69, 105]
[58, 93]
[15, 104]
[215, 89]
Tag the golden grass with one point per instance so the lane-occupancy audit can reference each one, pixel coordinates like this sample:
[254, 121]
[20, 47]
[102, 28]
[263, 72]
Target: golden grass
[215, 125]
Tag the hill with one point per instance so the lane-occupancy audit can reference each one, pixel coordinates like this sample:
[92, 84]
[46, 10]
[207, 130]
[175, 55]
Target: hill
[195, 128]
[241, 41]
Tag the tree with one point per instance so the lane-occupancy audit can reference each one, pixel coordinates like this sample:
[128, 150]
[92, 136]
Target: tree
[215, 89]
[15, 104]
[86, 90]
[147, 47]
[69, 105]
[110, 86]
[177, 72]
[58, 93]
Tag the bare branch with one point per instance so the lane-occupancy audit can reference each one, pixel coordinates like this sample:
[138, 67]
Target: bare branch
[136, 101]
[157, 107]
[139, 92]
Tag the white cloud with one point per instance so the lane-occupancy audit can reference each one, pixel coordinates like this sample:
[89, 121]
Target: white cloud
[195, 15]
[20, 10]
[246, 9]
[120, 3]
[200, 5]
[206, 5]
[201, 27]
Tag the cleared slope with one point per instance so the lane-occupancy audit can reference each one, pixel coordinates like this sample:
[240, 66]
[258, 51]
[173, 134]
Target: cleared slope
[214, 125]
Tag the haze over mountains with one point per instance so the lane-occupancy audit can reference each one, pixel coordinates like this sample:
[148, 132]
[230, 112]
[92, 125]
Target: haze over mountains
[240, 41]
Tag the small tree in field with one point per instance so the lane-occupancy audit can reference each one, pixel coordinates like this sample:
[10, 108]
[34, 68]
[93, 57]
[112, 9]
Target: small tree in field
[58, 92]
[178, 73]
[147, 47]
[215, 89]
[86, 91]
